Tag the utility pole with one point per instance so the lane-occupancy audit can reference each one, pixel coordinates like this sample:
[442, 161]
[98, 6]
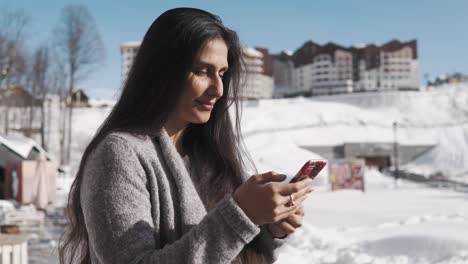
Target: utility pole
[3, 76]
[396, 153]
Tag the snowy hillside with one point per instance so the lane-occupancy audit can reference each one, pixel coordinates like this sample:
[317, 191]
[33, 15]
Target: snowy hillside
[438, 117]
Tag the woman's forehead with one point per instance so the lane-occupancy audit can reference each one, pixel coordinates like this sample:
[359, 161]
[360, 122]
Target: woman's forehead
[214, 52]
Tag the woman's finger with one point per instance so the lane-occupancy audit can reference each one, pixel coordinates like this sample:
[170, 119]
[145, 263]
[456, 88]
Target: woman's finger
[286, 227]
[300, 211]
[267, 177]
[283, 203]
[287, 210]
[301, 193]
[295, 220]
[291, 188]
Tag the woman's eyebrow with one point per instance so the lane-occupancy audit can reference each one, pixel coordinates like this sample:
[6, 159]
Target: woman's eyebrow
[209, 65]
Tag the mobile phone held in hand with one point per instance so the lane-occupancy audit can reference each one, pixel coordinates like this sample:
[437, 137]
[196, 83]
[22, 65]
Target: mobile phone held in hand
[310, 169]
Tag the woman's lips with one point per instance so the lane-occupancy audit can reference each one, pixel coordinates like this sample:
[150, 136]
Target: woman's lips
[205, 105]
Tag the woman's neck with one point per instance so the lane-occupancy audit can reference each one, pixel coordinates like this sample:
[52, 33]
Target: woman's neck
[176, 134]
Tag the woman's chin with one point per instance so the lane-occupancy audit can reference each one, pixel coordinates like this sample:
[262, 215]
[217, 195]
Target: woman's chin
[201, 119]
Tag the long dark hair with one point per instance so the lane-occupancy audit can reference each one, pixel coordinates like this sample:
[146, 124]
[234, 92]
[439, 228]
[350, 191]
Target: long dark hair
[154, 84]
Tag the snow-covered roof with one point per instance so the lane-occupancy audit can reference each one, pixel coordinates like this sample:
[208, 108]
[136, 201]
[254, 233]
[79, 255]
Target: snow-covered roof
[251, 52]
[130, 44]
[20, 145]
[102, 102]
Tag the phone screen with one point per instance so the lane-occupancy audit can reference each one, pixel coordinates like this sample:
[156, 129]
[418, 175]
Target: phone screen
[310, 169]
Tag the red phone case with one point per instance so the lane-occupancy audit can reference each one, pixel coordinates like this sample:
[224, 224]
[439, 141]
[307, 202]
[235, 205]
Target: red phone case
[310, 169]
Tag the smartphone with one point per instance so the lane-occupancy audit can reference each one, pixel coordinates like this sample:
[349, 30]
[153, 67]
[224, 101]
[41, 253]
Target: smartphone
[310, 169]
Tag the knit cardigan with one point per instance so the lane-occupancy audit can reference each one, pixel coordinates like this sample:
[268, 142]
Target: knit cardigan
[140, 205]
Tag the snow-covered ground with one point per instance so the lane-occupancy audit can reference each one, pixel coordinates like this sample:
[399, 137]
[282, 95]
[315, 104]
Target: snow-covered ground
[407, 224]
[410, 223]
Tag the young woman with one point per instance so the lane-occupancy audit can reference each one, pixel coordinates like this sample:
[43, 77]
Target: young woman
[163, 180]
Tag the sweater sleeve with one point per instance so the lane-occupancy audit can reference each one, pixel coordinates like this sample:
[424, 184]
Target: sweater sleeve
[271, 243]
[117, 211]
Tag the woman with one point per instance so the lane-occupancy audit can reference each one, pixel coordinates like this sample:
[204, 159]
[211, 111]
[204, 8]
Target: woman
[163, 179]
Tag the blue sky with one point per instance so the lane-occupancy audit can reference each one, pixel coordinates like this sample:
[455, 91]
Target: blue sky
[440, 27]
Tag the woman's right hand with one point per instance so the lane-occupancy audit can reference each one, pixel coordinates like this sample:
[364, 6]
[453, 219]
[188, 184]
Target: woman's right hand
[268, 203]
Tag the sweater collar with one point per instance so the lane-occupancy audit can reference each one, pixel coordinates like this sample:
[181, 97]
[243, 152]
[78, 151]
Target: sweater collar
[194, 211]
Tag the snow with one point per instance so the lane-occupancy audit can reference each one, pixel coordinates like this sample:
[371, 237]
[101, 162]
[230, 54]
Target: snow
[283, 156]
[101, 102]
[20, 145]
[408, 224]
[131, 44]
[434, 117]
[391, 222]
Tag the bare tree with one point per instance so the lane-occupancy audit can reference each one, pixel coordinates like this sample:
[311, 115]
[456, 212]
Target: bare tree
[80, 46]
[40, 87]
[13, 26]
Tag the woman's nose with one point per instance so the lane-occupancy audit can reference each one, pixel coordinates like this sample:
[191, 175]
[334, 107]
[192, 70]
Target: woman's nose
[216, 86]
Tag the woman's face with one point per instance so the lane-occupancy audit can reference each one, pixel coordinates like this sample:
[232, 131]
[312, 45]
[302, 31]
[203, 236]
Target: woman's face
[204, 84]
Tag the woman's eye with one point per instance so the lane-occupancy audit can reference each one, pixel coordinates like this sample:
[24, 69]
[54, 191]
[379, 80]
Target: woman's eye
[201, 72]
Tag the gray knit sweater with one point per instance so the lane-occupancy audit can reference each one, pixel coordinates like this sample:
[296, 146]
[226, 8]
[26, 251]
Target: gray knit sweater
[140, 205]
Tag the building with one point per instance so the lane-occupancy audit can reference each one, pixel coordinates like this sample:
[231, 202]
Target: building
[393, 66]
[376, 154]
[128, 51]
[257, 80]
[323, 69]
[448, 79]
[17, 96]
[331, 68]
[27, 174]
[78, 98]
[283, 69]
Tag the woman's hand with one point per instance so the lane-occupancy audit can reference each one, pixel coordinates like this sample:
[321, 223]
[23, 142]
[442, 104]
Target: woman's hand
[265, 201]
[287, 226]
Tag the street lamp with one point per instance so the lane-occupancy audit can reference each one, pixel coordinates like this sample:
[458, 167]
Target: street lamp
[395, 152]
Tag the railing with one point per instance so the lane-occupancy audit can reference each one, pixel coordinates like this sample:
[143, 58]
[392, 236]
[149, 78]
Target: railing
[13, 249]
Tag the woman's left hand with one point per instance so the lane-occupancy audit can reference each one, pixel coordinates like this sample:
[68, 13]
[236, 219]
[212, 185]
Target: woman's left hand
[288, 225]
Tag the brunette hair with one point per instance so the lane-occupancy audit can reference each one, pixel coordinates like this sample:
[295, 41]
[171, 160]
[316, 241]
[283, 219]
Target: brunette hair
[153, 86]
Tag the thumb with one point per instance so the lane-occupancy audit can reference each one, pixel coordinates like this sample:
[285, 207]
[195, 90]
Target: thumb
[269, 177]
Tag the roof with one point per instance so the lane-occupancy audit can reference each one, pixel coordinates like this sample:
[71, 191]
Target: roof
[305, 54]
[284, 56]
[130, 44]
[21, 145]
[13, 239]
[251, 52]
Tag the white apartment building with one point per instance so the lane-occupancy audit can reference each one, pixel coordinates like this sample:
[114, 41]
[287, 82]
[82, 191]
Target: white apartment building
[399, 70]
[283, 70]
[128, 51]
[332, 73]
[331, 68]
[323, 70]
[256, 82]
[395, 67]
